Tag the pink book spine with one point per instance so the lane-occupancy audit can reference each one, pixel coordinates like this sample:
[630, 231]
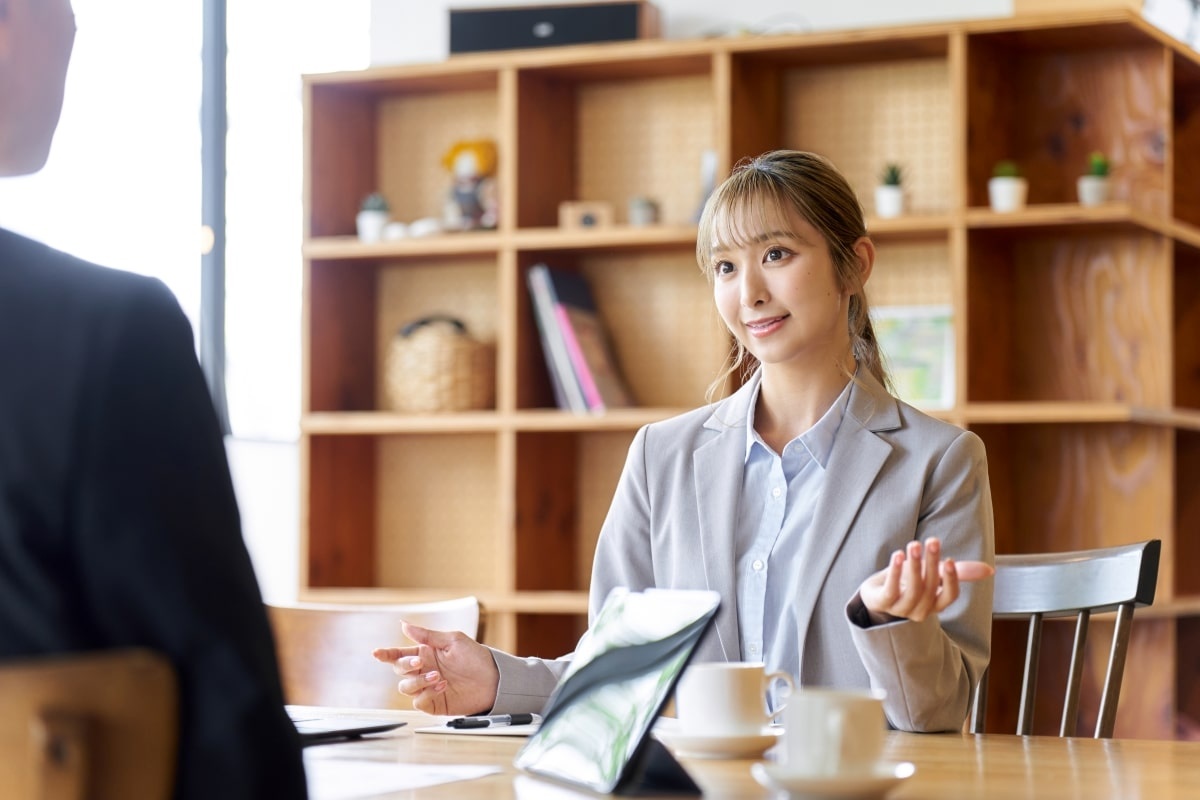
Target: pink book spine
[591, 394]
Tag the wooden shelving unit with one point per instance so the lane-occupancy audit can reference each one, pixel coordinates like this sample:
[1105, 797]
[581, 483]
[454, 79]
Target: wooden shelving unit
[1077, 330]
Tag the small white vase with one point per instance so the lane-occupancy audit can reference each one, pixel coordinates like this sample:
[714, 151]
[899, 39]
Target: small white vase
[1093, 189]
[370, 225]
[1007, 193]
[889, 201]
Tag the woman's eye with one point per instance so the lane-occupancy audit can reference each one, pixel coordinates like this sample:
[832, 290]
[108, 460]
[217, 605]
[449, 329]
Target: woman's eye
[775, 254]
[723, 268]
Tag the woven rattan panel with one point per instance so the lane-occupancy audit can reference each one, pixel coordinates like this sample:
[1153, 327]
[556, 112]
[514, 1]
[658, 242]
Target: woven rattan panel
[625, 151]
[864, 115]
[415, 131]
[438, 513]
[911, 274]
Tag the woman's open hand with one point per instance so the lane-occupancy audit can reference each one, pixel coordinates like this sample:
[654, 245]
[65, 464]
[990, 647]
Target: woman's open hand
[917, 582]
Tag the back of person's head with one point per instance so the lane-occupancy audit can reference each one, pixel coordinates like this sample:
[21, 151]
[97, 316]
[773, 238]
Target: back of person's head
[36, 38]
[762, 189]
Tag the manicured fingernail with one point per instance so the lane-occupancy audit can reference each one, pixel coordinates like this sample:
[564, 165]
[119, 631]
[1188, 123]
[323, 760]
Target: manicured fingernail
[414, 663]
[431, 675]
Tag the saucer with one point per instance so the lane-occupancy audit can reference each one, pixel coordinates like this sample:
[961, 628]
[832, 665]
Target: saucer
[862, 786]
[752, 746]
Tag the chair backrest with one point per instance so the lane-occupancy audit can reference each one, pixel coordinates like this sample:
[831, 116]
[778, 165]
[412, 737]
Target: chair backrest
[325, 649]
[1078, 583]
[94, 725]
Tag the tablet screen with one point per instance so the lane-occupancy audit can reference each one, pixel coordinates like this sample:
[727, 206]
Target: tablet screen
[619, 679]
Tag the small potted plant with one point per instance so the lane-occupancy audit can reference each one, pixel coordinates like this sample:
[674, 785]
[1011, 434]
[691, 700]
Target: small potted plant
[889, 194]
[372, 217]
[1007, 189]
[1093, 186]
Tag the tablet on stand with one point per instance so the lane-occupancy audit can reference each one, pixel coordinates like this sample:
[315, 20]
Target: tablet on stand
[595, 730]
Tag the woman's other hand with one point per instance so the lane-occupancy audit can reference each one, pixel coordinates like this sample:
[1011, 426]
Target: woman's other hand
[444, 673]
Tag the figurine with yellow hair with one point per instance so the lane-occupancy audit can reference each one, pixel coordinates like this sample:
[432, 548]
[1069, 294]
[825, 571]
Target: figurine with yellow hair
[471, 203]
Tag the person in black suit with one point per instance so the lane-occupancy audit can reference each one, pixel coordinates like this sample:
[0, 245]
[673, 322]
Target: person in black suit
[118, 520]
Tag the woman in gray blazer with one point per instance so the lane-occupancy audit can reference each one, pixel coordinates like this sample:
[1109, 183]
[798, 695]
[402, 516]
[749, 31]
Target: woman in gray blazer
[844, 529]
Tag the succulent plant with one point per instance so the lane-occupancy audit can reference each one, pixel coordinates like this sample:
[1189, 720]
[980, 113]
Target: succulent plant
[374, 202]
[1098, 164]
[1006, 168]
[892, 174]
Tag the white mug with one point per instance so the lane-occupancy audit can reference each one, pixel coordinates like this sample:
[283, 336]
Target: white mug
[727, 698]
[830, 732]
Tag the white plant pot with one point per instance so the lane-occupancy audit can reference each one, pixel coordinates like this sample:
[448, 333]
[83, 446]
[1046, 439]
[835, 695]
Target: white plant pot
[889, 201]
[371, 224]
[1007, 193]
[1093, 189]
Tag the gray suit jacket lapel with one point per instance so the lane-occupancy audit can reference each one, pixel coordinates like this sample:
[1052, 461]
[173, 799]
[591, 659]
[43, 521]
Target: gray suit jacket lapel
[717, 467]
[857, 457]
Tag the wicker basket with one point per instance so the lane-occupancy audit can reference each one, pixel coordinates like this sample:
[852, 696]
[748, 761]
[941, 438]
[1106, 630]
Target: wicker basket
[433, 364]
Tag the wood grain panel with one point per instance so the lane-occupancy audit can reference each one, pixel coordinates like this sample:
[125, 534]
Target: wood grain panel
[1088, 319]
[415, 131]
[757, 106]
[1084, 486]
[991, 103]
[901, 112]
[625, 150]
[546, 513]
[548, 635]
[341, 147]
[1110, 100]
[466, 290]
[669, 342]
[546, 142]
[341, 512]
[341, 339]
[1049, 109]
[1187, 518]
[990, 323]
[1187, 679]
[1186, 342]
[439, 526]
[1186, 153]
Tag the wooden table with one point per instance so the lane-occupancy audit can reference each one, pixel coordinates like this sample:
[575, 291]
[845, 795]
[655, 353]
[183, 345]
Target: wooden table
[949, 766]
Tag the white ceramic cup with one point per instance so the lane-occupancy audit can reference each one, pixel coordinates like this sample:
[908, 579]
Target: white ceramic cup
[728, 698]
[830, 732]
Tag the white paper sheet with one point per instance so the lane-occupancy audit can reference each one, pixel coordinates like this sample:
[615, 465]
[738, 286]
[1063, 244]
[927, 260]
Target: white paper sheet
[350, 779]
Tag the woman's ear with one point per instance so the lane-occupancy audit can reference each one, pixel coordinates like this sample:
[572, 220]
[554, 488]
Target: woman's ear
[864, 252]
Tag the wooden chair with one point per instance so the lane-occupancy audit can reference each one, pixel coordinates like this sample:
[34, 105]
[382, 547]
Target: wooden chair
[325, 649]
[1079, 583]
[94, 725]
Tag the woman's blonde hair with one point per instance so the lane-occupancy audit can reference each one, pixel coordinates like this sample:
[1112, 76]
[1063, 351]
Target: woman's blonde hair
[757, 190]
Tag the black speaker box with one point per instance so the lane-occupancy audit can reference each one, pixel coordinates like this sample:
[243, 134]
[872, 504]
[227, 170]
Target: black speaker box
[476, 29]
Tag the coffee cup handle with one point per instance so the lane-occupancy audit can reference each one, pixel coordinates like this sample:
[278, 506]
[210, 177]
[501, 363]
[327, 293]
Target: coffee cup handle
[788, 688]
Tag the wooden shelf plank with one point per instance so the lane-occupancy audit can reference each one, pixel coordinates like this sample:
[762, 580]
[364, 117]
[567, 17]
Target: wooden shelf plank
[612, 237]
[349, 248]
[556, 602]
[909, 227]
[382, 423]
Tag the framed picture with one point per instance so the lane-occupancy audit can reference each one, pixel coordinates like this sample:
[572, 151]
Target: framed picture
[918, 348]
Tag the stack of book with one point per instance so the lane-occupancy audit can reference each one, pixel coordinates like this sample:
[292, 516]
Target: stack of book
[580, 360]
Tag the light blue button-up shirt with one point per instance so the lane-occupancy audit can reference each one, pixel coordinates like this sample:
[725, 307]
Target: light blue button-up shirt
[779, 496]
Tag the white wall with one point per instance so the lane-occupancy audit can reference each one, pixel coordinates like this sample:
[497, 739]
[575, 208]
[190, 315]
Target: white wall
[406, 31]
